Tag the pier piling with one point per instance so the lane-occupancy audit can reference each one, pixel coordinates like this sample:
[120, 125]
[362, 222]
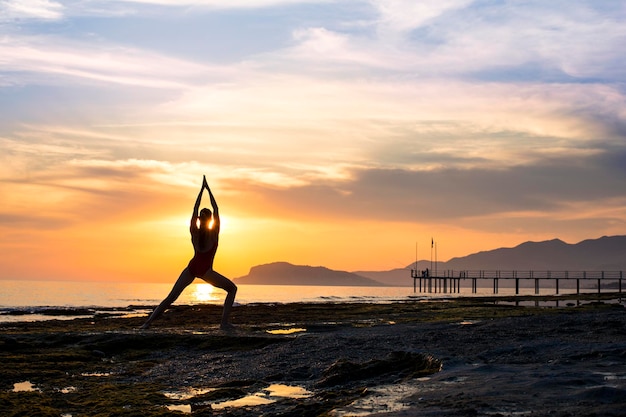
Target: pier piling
[450, 281]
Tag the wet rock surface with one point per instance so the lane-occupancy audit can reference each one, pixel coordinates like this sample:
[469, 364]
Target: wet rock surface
[459, 358]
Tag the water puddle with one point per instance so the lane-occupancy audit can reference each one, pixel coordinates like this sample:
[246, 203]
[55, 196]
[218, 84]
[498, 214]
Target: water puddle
[265, 396]
[67, 390]
[248, 401]
[560, 303]
[286, 331]
[287, 391]
[25, 386]
[34, 317]
[183, 408]
[187, 393]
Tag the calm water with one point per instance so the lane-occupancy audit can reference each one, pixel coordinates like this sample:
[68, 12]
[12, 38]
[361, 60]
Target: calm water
[34, 300]
[106, 294]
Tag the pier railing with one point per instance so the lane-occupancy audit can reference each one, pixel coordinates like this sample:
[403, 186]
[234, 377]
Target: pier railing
[449, 281]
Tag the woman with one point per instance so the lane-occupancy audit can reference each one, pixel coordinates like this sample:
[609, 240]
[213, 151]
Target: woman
[204, 237]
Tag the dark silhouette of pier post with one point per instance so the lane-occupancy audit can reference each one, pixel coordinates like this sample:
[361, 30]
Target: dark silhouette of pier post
[450, 281]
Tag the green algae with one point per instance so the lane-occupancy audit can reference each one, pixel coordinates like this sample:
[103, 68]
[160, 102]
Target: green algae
[98, 367]
[100, 399]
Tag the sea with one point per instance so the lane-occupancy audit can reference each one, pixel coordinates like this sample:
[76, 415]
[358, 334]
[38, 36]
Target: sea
[64, 300]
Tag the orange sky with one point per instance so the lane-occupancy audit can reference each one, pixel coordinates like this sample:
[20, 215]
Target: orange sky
[331, 134]
[134, 227]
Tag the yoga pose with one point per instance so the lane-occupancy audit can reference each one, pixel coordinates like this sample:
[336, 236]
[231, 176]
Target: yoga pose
[204, 237]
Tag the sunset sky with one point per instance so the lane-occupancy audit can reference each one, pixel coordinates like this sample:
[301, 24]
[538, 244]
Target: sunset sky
[334, 133]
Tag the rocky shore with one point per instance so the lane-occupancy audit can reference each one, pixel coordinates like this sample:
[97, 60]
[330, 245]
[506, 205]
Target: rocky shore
[458, 357]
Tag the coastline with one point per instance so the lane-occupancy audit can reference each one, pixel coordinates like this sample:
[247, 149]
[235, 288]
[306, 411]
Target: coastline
[460, 356]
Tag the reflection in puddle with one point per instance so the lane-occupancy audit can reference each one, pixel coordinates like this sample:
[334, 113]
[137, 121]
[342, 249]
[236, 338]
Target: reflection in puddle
[67, 390]
[185, 408]
[248, 401]
[287, 391]
[25, 386]
[287, 331]
[187, 393]
[265, 396]
[96, 374]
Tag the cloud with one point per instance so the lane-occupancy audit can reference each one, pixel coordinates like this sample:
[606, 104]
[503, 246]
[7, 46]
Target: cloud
[474, 115]
[58, 57]
[373, 120]
[576, 39]
[512, 41]
[407, 15]
[569, 190]
[30, 9]
[72, 184]
[235, 4]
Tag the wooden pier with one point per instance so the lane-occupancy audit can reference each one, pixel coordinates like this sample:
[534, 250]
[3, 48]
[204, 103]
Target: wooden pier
[450, 281]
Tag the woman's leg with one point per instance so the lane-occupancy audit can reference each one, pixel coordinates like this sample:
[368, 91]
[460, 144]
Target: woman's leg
[183, 281]
[220, 281]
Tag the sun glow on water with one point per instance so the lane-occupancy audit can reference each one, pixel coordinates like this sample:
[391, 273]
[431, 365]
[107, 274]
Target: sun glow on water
[204, 293]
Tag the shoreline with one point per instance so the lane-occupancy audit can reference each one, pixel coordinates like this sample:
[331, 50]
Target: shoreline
[455, 357]
[52, 312]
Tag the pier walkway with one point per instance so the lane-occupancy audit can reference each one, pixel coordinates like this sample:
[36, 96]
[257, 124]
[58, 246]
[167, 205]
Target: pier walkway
[450, 281]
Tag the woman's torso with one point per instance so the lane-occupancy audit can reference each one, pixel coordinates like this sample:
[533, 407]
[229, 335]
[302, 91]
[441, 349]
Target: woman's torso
[204, 241]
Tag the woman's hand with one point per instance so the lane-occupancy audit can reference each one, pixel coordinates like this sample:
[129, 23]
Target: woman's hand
[204, 183]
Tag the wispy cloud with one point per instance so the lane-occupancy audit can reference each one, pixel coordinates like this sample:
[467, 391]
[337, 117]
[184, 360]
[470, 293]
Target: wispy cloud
[57, 57]
[235, 4]
[30, 9]
[399, 17]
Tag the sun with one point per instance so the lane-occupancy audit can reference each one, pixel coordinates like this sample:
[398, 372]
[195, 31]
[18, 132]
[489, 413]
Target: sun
[224, 222]
[204, 293]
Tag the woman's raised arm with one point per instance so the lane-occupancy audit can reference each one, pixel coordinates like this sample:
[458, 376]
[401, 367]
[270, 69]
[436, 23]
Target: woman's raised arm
[196, 207]
[216, 212]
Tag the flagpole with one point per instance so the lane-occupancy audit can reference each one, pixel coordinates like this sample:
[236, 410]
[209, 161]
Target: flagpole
[432, 242]
[436, 259]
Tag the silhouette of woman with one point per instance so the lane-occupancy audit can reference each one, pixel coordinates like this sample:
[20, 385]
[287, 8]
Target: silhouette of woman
[204, 237]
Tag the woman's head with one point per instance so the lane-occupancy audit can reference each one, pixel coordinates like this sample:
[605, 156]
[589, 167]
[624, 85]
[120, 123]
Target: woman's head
[205, 215]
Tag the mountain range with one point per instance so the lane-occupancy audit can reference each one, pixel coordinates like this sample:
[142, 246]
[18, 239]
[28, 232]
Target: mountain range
[607, 253]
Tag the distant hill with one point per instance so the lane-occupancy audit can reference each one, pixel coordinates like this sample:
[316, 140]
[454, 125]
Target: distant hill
[283, 273]
[607, 253]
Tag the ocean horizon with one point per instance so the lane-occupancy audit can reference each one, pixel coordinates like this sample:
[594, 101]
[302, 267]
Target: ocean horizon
[42, 300]
[45, 300]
